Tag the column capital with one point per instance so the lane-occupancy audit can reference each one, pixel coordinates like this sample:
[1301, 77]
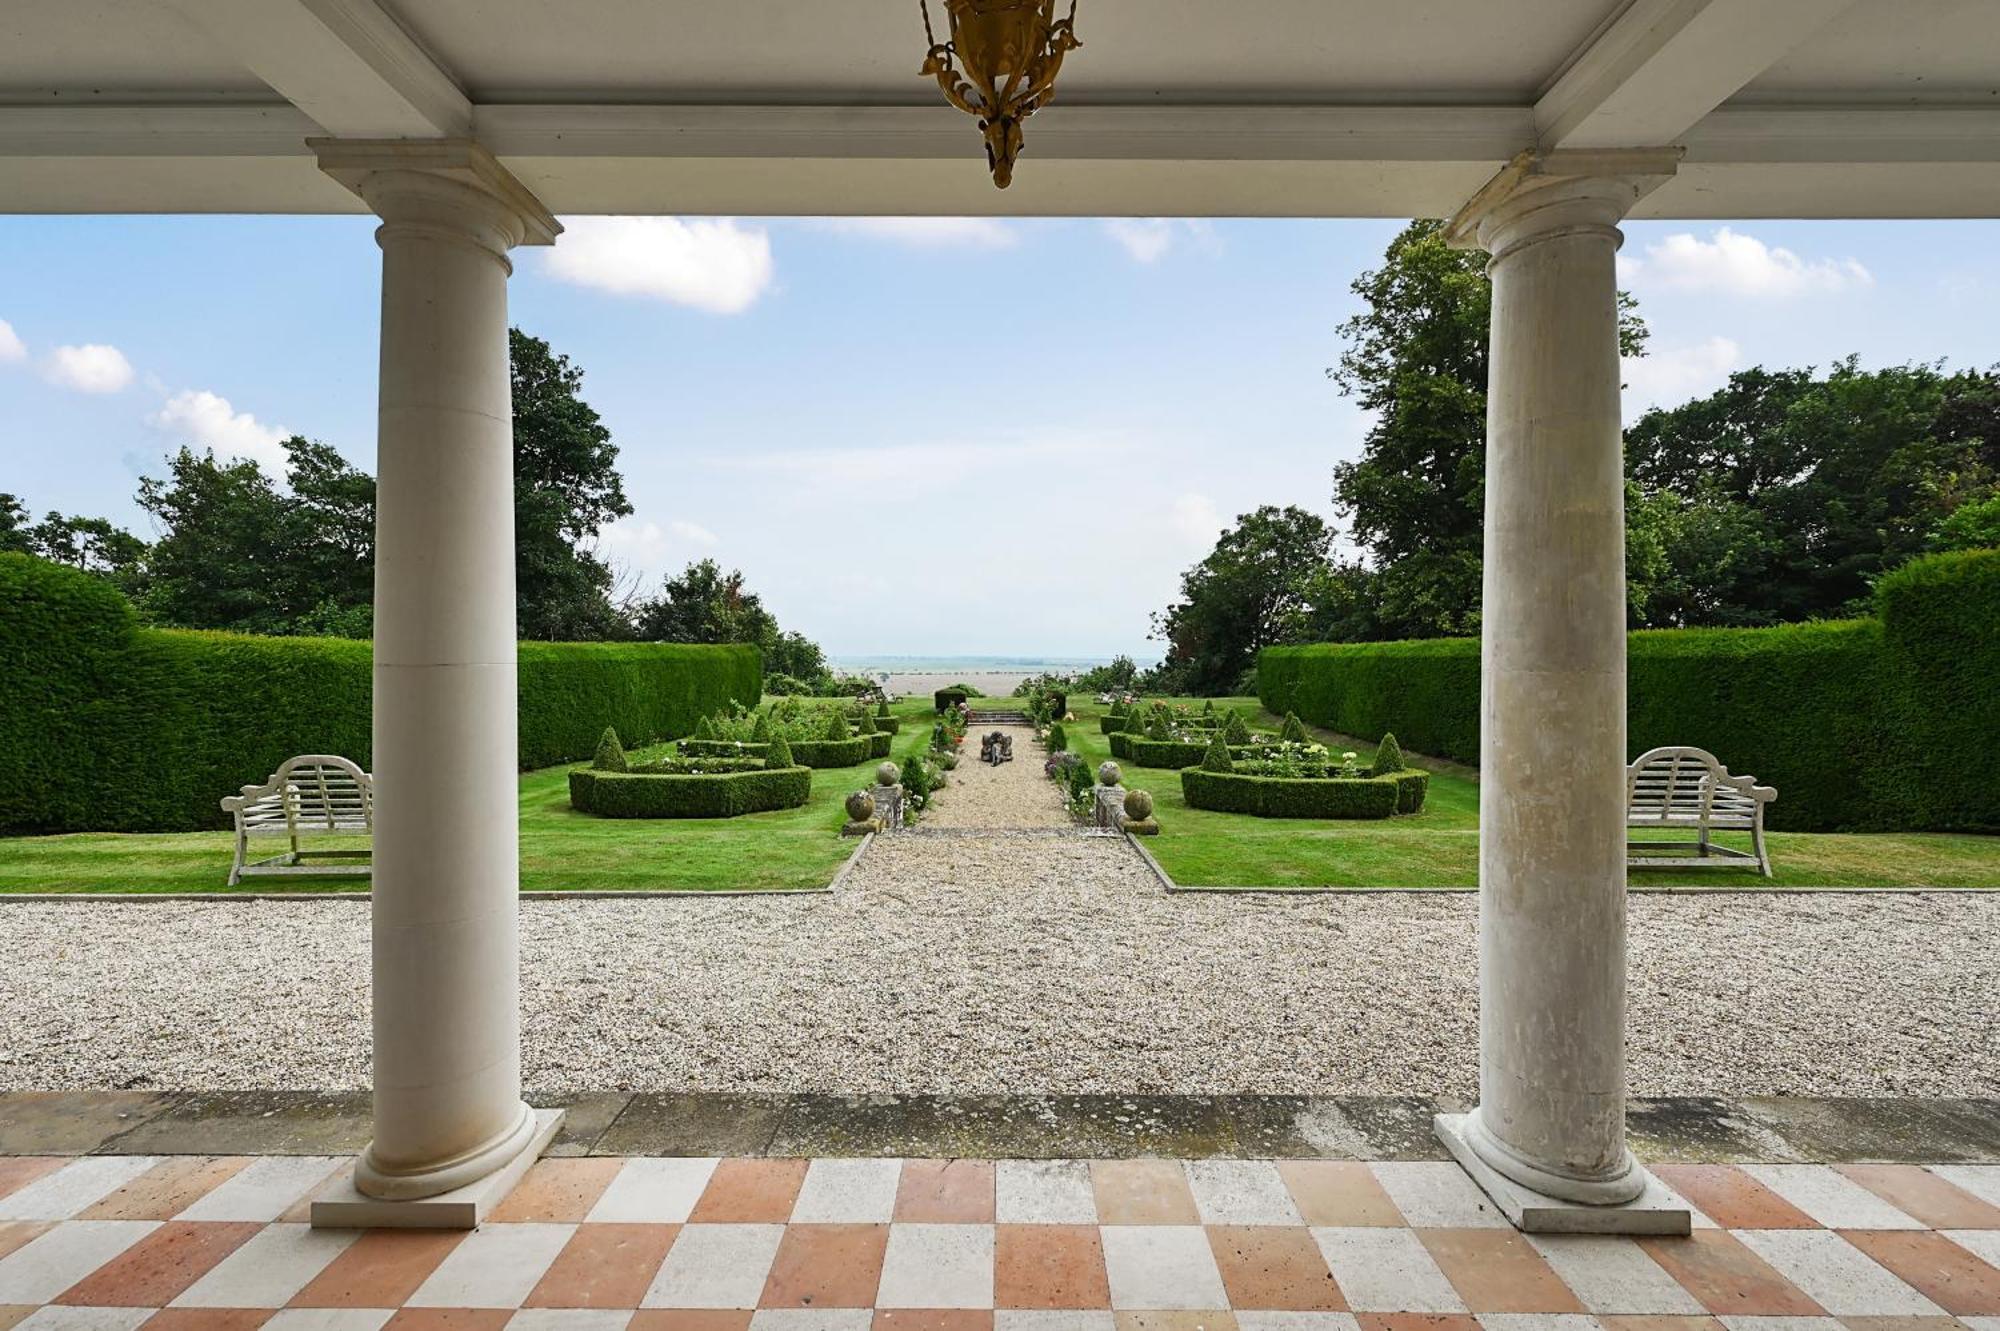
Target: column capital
[1538, 196]
[443, 186]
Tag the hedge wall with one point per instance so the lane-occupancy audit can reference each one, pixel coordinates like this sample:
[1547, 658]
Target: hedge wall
[109, 726]
[639, 795]
[1873, 724]
[1294, 797]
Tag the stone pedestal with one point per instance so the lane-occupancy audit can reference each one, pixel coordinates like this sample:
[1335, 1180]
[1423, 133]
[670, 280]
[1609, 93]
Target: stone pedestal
[888, 807]
[1109, 803]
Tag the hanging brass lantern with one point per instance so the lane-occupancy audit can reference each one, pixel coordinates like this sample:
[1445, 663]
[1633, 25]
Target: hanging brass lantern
[1000, 65]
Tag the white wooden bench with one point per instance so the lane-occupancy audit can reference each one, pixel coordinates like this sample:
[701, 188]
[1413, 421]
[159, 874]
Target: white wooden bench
[315, 794]
[1688, 789]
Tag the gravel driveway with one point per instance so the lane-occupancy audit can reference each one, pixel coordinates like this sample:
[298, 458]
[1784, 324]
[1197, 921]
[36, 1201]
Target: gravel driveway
[1008, 964]
[1015, 794]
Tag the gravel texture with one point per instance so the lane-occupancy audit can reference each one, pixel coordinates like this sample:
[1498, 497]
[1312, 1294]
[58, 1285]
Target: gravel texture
[1016, 794]
[1014, 963]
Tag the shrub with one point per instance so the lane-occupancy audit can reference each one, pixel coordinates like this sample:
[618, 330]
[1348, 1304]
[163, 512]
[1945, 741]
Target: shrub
[779, 755]
[864, 725]
[760, 729]
[108, 726]
[945, 698]
[1290, 797]
[1388, 757]
[705, 728]
[1058, 738]
[1293, 731]
[832, 752]
[610, 755]
[1111, 724]
[1236, 730]
[882, 709]
[721, 748]
[835, 727]
[726, 795]
[1411, 787]
[1157, 725]
[1118, 708]
[1121, 744]
[1217, 758]
[785, 686]
[1172, 753]
[879, 743]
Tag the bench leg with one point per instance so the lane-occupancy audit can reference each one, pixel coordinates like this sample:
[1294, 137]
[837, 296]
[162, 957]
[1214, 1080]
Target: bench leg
[1757, 844]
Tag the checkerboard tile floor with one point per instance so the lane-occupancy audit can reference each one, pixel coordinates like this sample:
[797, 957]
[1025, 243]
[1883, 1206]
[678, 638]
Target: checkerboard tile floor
[592, 1244]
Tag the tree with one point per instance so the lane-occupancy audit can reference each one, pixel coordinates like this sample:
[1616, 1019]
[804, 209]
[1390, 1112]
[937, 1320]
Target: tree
[705, 604]
[222, 558]
[566, 488]
[91, 544]
[1254, 589]
[1417, 356]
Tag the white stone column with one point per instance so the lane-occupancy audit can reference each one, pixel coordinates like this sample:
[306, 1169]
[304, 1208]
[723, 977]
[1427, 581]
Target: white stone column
[1551, 1115]
[448, 1107]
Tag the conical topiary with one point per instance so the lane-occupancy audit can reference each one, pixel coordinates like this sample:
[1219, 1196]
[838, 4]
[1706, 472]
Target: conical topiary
[1118, 707]
[779, 754]
[1236, 730]
[1156, 726]
[1294, 730]
[1217, 758]
[1208, 707]
[882, 707]
[760, 729]
[865, 726]
[610, 756]
[704, 728]
[1388, 757]
[836, 726]
[1058, 739]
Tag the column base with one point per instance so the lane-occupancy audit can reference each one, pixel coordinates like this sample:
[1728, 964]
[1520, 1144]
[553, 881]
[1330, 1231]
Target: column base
[1656, 1210]
[344, 1206]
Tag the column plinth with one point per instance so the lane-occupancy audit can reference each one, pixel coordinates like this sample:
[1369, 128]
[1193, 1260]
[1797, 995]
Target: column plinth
[448, 1107]
[1551, 1117]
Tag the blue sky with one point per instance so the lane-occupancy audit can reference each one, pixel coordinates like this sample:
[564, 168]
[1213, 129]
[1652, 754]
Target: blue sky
[925, 437]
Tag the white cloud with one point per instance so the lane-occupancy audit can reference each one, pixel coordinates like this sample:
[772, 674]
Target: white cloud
[91, 368]
[206, 420]
[1196, 519]
[12, 348]
[712, 264]
[1736, 264]
[693, 533]
[1671, 376]
[1148, 239]
[985, 233]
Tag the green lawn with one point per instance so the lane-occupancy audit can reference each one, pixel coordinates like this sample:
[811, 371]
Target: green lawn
[797, 849]
[1439, 848]
[561, 851]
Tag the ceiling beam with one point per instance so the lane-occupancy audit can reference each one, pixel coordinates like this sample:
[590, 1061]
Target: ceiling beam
[345, 63]
[1662, 65]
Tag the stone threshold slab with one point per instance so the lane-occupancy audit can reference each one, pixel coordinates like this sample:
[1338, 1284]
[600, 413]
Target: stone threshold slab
[1359, 1127]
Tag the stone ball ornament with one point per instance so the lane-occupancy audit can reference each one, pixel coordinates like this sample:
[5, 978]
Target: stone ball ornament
[1109, 774]
[860, 806]
[888, 774]
[1138, 804]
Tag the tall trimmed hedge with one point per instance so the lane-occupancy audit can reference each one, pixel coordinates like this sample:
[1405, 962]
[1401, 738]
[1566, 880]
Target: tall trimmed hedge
[1874, 724]
[106, 725]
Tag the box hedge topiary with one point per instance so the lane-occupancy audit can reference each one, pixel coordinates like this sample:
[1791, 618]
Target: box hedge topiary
[835, 752]
[109, 726]
[778, 755]
[1388, 757]
[1112, 724]
[1217, 758]
[610, 755]
[945, 698]
[1290, 797]
[723, 795]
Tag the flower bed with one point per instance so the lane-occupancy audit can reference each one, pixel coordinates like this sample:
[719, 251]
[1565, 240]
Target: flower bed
[1305, 797]
[726, 794]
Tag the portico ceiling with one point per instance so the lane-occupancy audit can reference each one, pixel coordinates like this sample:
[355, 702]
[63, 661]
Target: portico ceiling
[1199, 107]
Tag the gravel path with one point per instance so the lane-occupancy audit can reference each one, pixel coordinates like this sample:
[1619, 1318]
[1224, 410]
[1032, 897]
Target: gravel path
[1014, 963]
[1015, 794]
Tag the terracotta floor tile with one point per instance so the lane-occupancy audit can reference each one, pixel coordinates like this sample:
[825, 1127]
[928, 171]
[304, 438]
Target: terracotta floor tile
[18, 1171]
[1727, 1278]
[1924, 1196]
[1341, 1193]
[560, 1191]
[381, 1269]
[945, 1192]
[1943, 1272]
[1049, 1266]
[1142, 1192]
[167, 1189]
[690, 1319]
[1416, 1322]
[1275, 1268]
[750, 1192]
[1498, 1271]
[450, 1319]
[1176, 1321]
[826, 1266]
[1732, 1199]
[604, 1266]
[1657, 1322]
[932, 1319]
[206, 1319]
[151, 1272]
[18, 1233]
